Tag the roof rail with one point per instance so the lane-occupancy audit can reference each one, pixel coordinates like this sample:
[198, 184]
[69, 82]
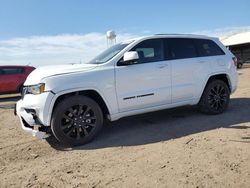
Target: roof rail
[168, 34]
[176, 34]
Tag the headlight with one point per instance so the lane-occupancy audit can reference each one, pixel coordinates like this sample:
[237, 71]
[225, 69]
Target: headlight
[36, 89]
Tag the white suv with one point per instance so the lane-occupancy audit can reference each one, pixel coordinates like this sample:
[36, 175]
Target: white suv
[133, 77]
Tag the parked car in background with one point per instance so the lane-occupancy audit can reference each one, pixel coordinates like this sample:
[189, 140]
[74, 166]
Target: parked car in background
[248, 60]
[13, 77]
[240, 64]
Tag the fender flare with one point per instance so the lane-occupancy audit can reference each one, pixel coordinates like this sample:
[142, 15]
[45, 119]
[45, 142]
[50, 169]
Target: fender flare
[215, 74]
[57, 95]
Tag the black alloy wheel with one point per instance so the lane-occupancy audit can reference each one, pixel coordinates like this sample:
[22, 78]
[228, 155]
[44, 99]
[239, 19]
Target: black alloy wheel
[76, 120]
[215, 98]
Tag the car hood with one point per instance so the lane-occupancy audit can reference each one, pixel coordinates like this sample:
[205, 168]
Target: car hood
[40, 73]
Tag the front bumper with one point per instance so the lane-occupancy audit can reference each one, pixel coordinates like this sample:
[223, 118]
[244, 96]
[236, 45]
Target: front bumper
[32, 111]
[32, 130]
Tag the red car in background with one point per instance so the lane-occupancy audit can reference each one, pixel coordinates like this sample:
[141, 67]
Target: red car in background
[13, 77]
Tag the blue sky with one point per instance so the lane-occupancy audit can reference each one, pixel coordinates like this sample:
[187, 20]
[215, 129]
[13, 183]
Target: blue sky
[40, 32]
[20, 18]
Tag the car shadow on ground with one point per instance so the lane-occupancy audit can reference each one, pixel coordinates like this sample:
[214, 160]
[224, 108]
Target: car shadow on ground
[165, 125]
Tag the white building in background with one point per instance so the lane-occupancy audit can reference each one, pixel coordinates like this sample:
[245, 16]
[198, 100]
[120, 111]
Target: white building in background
[239, 44]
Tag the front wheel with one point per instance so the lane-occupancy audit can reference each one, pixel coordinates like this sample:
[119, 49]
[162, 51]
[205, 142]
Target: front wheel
[215, 98]
[76, 120]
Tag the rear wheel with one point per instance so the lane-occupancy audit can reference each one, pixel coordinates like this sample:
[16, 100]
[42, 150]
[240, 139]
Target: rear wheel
[76, 120]
[215, 98]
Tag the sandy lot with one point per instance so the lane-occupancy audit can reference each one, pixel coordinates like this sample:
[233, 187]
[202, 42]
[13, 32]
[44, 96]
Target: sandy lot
[171, 148]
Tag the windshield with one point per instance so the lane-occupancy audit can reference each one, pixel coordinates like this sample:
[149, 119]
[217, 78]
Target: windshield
[109, 53]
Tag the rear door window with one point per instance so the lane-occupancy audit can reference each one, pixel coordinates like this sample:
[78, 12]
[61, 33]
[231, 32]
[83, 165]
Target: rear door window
[181, 48]
[207, 47]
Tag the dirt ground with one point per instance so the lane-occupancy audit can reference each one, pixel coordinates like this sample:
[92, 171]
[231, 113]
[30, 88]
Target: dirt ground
[171, 148]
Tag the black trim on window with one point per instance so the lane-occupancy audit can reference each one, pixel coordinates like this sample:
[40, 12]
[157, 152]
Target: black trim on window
[166, 50]
[197, 48]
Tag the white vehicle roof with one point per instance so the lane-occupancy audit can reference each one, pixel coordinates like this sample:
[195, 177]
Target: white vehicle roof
[170, 36]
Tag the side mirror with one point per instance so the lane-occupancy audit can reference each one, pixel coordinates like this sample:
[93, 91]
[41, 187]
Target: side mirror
[130, 58]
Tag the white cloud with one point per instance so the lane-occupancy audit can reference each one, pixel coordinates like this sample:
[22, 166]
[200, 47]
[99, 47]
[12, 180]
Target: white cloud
[59, 49]
[72, 48]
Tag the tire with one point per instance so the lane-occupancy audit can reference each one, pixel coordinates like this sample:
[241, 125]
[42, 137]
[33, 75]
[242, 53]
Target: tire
[215, 98]
[239, 66]
[76, 120]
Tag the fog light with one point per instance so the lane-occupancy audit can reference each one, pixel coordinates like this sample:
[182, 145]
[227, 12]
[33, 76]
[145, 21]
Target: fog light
[30, 111]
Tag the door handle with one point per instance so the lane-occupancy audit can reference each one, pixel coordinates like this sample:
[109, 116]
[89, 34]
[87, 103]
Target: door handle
[161, 66]
[201, 62]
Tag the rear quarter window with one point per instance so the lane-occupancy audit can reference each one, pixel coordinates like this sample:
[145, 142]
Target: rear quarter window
[207, 48]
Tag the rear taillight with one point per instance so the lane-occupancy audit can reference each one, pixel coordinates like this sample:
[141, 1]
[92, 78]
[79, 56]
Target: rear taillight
[234, 61]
